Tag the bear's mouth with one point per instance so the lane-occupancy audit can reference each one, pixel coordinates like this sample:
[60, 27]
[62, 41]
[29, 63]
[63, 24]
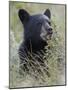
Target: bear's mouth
[46, 37]
[49, 36]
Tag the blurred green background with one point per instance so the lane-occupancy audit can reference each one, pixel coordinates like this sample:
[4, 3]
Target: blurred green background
[57, 59]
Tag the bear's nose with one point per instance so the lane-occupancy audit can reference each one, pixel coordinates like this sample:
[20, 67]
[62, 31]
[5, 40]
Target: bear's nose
[50, 31]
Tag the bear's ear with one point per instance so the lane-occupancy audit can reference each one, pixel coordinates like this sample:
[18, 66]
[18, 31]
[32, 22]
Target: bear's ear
[47, 13]
[23, 15]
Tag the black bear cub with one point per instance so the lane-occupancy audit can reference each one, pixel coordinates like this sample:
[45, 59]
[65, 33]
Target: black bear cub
[37, 31]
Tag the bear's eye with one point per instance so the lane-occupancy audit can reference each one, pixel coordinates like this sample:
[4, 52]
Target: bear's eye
[49, 23]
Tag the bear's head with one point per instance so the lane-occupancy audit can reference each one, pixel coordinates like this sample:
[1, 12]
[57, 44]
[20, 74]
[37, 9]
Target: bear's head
[37, 28]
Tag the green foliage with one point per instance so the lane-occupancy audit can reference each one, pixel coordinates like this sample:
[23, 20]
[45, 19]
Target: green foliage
[55, 56]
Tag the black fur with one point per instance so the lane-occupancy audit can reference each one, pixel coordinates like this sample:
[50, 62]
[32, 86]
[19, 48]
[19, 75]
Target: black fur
[37, 30]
